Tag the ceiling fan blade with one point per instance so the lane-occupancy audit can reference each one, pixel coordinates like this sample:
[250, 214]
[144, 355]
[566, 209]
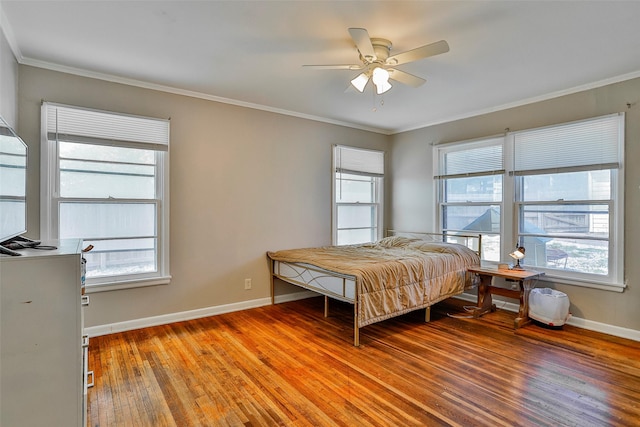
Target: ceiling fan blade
[363, 42]
[419, 53]
[405, 78]
[335, 67]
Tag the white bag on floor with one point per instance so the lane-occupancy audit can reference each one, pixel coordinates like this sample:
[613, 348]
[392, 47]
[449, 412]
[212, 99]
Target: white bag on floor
[549, 306]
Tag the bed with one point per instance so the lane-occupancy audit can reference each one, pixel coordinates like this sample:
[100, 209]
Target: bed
[403, 272]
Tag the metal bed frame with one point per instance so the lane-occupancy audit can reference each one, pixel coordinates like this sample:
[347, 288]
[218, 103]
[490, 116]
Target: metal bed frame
[342, 287]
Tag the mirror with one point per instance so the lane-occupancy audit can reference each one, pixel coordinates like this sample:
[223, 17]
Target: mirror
[13, 183]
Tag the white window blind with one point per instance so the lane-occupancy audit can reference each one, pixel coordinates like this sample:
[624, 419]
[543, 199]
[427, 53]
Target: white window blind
[358, 161]
[585, 145]
[484, 158]
[73, 124]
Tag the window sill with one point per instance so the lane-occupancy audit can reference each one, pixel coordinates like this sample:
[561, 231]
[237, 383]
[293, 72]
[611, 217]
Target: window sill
[549, 277]
[115, 286]
[583, 283]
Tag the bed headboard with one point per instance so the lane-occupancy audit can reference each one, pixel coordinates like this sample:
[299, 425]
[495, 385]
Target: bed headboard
[472, 241]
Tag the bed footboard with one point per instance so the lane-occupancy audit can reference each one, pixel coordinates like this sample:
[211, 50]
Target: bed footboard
[335, 285]
[328, 283]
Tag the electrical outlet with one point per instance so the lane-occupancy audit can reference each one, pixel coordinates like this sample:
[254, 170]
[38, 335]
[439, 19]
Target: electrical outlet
[247, 283]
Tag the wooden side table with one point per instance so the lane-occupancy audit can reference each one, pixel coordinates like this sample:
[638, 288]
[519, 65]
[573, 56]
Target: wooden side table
[525, 280]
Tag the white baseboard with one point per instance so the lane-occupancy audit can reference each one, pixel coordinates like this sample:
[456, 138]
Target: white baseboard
[129, 325]
[295, 296]
[578, 322]
[94, 331]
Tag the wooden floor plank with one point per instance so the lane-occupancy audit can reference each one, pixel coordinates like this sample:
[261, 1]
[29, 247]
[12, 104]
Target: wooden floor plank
[288, 365]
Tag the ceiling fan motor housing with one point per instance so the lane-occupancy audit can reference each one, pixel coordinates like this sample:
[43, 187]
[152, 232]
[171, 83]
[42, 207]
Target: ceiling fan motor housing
[382, 48]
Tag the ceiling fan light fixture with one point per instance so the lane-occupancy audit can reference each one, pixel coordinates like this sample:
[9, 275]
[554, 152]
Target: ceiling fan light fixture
[377, 64]
[381, 80]
[360, 82]
[383, 87]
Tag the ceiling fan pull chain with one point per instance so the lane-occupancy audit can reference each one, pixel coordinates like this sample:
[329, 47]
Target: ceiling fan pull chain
[373, 101]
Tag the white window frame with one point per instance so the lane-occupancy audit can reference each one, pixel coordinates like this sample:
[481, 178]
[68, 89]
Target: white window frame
[364, 162]
[511, 204]
[563, 161]
[50, 199]
[492, 165]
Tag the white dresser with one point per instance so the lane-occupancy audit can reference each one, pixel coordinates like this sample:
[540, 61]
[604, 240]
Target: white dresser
[43, 373]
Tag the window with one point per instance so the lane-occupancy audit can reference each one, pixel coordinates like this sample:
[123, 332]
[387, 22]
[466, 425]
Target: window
[105, 180]
[357, 201]
[562, 198]
[568, 198]
[470, 191]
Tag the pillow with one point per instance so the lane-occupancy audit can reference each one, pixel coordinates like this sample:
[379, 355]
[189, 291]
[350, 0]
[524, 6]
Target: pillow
[395, 242]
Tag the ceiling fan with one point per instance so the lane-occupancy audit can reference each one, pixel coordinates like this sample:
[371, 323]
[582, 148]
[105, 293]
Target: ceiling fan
[377, 64]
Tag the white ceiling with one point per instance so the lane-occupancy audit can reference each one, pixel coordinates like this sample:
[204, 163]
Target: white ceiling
[251, 52]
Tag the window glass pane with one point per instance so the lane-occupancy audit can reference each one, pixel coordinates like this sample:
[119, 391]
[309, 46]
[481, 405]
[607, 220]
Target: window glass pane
[355, 188]
[106, 180]
[352, 237]
[579, 255]
[356, 216]
[576, 220]
[105, 153]
[588, 185]
[474, 189]
[490, 244]
[103, 220]
[482, 219]
[108, 172]
[120, 257]
[491, 247]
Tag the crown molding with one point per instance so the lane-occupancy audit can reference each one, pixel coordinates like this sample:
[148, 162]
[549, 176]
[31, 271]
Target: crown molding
[527, 101]
[193, 94]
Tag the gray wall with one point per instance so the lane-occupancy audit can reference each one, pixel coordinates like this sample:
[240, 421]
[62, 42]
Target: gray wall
[243, 182]
[412, 187]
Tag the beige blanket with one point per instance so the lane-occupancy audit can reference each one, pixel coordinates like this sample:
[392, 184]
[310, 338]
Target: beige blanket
[395, 275]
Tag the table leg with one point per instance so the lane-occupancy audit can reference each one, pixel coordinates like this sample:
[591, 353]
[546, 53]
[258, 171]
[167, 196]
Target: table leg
[523, 313]
[485, 302]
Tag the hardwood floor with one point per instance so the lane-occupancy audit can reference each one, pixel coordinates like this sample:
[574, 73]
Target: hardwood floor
[288, 365]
